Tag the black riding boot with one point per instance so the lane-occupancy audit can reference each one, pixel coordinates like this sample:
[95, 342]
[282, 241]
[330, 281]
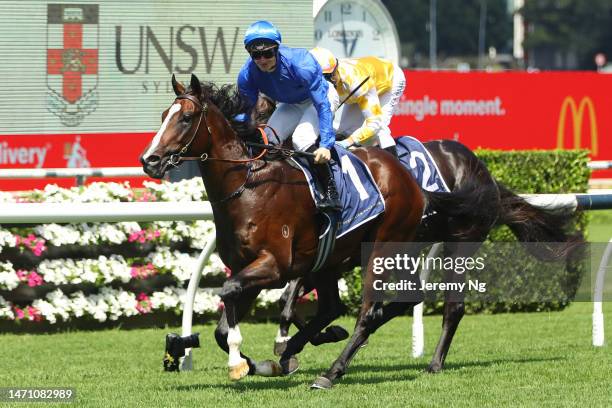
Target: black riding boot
[392, 150]
[325, 179]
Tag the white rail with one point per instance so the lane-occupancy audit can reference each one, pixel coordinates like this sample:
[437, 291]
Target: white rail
[72, 172]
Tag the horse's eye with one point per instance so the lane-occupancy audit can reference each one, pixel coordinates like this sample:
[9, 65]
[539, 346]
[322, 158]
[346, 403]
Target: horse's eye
[187, 117]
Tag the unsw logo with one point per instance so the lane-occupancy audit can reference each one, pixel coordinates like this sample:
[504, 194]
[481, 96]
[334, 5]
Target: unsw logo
[72, 61]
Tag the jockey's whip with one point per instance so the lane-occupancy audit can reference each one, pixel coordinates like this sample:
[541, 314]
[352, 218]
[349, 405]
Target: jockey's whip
[352, 93]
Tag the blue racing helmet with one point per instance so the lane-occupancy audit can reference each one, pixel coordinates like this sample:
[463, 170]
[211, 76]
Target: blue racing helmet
[264, 31]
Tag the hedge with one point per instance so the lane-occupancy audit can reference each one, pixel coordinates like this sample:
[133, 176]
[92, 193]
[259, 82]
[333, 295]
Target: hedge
[542, 286]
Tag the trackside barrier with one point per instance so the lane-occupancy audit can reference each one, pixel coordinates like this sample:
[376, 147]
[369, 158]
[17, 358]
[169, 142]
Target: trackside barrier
[79, 173]
[27, 213]
[550, 202]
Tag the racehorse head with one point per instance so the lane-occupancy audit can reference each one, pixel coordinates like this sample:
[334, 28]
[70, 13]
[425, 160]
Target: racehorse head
[185, 129]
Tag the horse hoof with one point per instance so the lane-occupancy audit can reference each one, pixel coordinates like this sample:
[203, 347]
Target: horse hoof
[279, 347]
[322, 383]
[290, 365]
[332, 334]
[268, 368]
[238, 371]
[433, 368]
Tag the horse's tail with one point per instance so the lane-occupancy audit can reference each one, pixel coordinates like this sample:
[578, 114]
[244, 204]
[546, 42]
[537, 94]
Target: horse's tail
[531, 225]
[473, 206]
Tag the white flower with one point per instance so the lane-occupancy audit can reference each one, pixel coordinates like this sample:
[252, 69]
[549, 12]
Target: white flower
[59, 234]
[8, 277]
[7, 239]
[6, 310]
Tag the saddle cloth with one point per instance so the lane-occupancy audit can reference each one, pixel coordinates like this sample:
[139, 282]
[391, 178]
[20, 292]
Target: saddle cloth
[418, 161]
[360, 197]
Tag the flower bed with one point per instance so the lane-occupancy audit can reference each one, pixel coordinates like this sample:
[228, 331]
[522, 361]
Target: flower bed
[56, 274]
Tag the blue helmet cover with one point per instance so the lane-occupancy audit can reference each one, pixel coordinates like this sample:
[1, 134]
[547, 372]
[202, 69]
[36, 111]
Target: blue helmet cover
[262, 30]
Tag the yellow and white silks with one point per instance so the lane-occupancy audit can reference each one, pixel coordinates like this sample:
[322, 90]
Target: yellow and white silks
[367, 113]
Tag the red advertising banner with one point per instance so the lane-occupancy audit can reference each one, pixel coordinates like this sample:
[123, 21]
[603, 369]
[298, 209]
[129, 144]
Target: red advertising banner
[513, 110]
[68, 151]
[510, 110]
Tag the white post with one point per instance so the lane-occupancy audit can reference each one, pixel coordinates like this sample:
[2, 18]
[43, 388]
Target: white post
[418, 330]
[194, 282]
[598, 318]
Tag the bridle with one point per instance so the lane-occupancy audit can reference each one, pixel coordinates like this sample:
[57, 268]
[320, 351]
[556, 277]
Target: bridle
[176, 158]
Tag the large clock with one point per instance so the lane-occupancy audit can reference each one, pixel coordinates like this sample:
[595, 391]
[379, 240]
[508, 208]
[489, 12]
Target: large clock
[355, 28]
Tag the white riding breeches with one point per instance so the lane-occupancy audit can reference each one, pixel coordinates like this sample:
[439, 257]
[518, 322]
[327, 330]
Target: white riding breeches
[350, 118]
[299, 120]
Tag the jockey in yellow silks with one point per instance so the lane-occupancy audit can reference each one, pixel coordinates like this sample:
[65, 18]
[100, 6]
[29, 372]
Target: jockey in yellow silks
[366, 115]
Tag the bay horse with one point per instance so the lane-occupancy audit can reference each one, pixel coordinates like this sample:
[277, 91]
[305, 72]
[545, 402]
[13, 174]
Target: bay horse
[461, 221]
[267, 226]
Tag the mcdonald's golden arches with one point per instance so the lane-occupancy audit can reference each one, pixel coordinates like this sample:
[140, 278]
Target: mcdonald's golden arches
[577, 111]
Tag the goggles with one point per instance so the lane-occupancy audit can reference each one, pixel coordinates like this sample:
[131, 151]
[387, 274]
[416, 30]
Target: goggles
[267, 54]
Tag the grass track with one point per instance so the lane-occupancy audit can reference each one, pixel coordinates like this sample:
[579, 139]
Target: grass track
[535, 359]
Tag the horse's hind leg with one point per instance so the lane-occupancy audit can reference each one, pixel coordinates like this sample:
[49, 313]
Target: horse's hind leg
[371, 317]
[454, 307]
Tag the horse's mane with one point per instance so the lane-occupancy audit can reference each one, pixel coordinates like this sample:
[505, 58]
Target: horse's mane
[231, 103]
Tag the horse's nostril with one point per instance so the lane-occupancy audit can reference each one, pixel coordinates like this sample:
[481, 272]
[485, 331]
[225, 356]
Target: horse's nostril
[152, 160]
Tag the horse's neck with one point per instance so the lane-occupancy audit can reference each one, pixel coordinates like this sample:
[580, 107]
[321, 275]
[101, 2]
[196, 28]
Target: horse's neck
[221, 177]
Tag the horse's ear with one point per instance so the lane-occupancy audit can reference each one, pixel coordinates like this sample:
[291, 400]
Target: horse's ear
[195, 85]
[179, 89]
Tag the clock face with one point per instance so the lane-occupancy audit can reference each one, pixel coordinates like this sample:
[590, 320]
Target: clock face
[356, 28]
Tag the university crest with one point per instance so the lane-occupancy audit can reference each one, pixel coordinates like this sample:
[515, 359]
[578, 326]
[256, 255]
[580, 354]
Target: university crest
[72, 61]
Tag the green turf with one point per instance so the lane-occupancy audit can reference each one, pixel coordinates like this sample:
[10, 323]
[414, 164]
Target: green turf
[496, 360]
[535, 359]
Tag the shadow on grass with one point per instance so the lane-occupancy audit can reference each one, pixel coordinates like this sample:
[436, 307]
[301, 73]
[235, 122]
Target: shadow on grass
[376, 374]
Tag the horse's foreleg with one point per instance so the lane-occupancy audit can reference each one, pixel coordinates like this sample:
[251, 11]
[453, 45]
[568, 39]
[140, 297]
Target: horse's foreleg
[329, 308]
[287, 315]
[228, 337]
[238, 293]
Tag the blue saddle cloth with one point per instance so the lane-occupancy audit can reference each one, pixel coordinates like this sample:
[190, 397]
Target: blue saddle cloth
[361, 199]
[418, 161]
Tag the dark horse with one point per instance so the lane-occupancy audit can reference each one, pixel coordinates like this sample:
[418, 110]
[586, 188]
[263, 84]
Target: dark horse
[267, 226]
[462, 220]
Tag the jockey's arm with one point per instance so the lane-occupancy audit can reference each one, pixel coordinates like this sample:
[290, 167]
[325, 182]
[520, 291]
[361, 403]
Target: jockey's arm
[369, 104]
[247, 89]
[318, 88]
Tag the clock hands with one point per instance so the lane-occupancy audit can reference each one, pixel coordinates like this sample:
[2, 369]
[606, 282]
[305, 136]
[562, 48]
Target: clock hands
[345, 42]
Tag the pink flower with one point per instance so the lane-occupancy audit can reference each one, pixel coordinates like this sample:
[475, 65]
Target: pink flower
[19, 313]
[143, 304]
[34, 314]
[22, 275]
[34, 244]
[143, 272]
[34, 279]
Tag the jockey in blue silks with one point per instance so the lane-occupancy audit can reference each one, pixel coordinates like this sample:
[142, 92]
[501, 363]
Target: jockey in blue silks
[293, 78]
